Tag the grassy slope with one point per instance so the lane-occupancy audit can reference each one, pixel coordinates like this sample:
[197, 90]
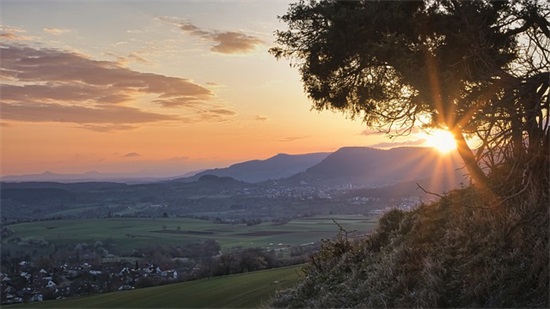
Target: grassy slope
[235, 291]
[458, 252]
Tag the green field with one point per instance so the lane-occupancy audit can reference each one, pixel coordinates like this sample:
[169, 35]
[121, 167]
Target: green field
[132, 233]
[235, 291]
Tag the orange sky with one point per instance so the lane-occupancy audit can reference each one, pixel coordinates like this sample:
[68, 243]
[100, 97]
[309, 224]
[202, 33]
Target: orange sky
[158, 87]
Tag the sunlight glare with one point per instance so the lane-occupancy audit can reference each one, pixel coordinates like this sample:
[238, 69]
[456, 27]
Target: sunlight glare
[441, 140]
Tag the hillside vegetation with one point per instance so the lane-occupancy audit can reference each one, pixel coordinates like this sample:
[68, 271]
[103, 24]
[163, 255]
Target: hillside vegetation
[466, 250]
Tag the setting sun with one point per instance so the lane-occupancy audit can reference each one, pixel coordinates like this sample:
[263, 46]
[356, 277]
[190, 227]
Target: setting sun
[441, 140]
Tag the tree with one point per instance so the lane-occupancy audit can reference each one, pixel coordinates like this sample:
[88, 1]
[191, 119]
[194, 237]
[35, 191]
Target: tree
[475, 68]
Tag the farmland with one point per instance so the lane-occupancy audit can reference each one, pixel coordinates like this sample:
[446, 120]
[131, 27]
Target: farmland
[126, 234]
[233, 291]
[57, 259]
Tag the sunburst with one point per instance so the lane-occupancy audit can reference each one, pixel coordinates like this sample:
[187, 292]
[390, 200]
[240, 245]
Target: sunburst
[441, 140]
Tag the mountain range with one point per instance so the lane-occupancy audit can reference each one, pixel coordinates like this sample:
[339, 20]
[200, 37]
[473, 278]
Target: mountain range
[91, 176]
[276, 167]
[362, 166]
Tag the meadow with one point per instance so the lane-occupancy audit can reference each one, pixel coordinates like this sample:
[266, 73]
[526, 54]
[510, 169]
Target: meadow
[126, 234]
[247, 290]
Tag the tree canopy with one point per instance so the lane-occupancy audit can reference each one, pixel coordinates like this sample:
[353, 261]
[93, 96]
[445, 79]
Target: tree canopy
[476, 68]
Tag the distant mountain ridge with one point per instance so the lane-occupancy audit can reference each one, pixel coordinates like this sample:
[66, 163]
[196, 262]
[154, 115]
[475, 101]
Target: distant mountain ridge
[378, 167]
[91, 176]
[363, 166]
[279, 166]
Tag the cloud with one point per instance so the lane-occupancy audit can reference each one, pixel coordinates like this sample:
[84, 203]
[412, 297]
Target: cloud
[417, 142]
[131, 57]
[134, 56]
[261, 118]
[217, 114]
[222, 111]
[55, 31]
[370, 132]
[8, 35]
[225, 42]
[12, 33]
[234, 42]
[178, 102]
[177, 159]
[58, 86]
[131, 155]
[108, 128]
[5, 125]
[51, 112]
[292, 138]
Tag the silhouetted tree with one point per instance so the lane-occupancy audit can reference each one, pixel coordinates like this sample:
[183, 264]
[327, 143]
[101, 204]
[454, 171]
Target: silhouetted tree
[475, 68]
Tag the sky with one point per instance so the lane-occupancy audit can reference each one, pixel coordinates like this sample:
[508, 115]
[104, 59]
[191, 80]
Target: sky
[158, 88]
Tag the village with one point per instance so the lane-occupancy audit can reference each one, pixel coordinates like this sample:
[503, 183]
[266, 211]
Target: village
[86, 272]
[32, 284]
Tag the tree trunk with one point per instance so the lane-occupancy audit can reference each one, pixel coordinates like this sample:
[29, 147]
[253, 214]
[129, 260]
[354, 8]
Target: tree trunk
[478, 176]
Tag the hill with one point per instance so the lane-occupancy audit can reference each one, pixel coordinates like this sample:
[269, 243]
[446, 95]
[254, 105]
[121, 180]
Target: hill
[234, 291]
[276, 167]
[463, 251]
[377, 167]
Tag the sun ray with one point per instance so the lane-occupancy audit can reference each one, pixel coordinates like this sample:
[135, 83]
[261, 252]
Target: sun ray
[441, 140]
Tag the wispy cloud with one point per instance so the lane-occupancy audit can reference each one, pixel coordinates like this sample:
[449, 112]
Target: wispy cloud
[225, 42]
[261, 118]
[108, 128]
[218, 114]
[13, 33]
[55, 31]
[292, 138]
[398, 144]
[370, 132]
[131, 57]
[131, 155]
[50, 85]
[52, 112]
[6, 35]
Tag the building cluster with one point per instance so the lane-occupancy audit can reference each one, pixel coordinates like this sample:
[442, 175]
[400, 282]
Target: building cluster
[303, 191]
[31, 284]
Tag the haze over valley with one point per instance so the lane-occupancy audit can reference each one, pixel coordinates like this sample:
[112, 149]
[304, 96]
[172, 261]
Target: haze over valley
[258, 189]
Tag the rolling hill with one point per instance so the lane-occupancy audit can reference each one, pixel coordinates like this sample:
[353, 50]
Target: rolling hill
[376, 167]
[276, 167]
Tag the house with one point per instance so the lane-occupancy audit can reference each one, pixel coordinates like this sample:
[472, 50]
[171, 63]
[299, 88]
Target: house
[26, 275]
[170, 274]
[125, 287]
[51, 284]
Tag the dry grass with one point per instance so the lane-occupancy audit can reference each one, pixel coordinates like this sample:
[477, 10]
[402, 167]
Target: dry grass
[458, 252]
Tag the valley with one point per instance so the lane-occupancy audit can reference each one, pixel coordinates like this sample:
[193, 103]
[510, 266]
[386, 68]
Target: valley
[71, 239]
